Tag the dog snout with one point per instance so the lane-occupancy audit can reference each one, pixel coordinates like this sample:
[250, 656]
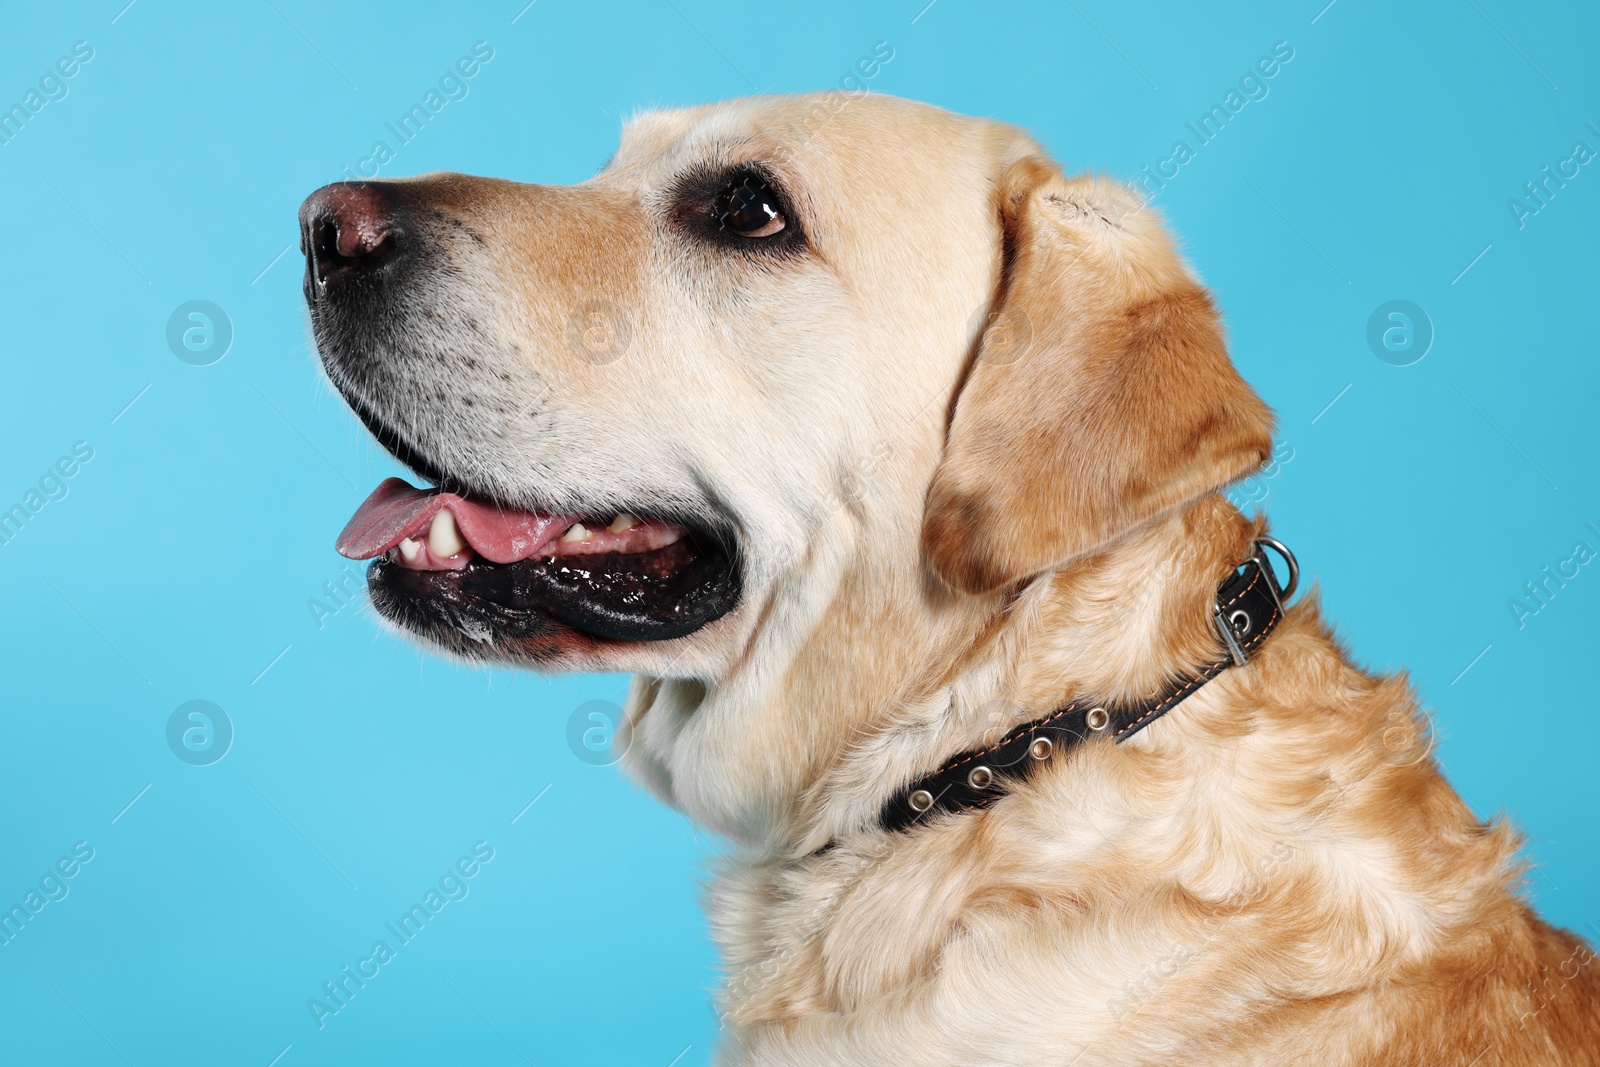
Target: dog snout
[347, 229]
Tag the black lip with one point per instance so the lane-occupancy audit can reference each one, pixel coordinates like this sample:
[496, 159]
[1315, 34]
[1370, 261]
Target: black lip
[652, 596]
[396, 444]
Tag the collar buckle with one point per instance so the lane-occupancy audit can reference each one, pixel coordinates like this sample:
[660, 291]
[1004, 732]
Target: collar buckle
[1225, 627]
[1235, 625]
[1245, 615]
[1287, 592]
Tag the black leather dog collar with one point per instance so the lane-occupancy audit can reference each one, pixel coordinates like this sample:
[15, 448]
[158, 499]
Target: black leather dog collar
[1248, 608]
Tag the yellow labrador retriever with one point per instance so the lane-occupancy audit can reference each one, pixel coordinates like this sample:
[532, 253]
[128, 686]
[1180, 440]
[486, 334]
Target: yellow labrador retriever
[888, 458]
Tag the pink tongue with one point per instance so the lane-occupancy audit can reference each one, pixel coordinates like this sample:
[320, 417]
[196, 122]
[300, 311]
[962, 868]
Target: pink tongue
[397, 510]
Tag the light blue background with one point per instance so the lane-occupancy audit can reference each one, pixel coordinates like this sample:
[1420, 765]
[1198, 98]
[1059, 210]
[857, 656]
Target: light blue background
[180, 564]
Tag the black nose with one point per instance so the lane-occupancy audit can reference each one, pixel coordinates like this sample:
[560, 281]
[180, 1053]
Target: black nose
[346, 229]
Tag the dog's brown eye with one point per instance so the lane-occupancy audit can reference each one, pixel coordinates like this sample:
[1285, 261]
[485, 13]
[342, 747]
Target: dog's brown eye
[750, 208]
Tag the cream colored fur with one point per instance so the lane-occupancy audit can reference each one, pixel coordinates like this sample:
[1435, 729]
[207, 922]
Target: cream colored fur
[940, 543]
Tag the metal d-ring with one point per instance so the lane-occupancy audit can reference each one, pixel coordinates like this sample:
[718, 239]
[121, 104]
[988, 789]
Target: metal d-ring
[1288, 557]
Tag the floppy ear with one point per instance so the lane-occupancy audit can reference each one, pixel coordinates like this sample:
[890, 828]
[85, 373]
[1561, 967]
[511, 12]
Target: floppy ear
[1101, 395]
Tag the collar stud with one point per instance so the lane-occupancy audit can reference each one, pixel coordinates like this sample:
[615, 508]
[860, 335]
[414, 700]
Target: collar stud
[1248, 607]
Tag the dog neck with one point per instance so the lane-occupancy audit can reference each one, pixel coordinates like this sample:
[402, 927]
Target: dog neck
[896, 672]
[1115, 626]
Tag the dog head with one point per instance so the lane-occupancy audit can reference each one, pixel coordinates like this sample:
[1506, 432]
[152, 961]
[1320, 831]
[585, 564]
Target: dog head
[778, 350]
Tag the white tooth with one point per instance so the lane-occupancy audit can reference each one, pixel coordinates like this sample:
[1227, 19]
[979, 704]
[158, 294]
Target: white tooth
[577, 533]
[444, 540]
[410, 549]
[623, 523]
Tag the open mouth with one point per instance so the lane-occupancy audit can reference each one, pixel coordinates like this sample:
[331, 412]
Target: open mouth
[489, 571]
